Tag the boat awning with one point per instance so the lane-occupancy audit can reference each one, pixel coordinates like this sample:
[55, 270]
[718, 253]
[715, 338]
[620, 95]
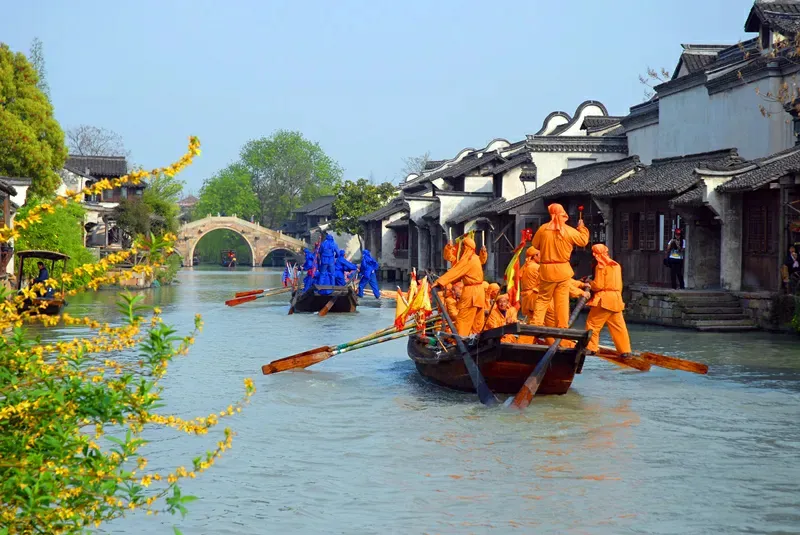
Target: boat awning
[44, 255]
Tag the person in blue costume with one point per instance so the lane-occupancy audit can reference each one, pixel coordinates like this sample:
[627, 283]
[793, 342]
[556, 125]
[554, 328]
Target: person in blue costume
[327, 263]
[308, 267]
[369, 268]
[343, 265]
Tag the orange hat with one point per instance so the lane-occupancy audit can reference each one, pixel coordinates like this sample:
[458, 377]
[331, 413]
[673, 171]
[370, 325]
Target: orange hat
[600, 253]
[558, 217]
[502, 296]
[531, 252]
[493, 290]
[469, 242]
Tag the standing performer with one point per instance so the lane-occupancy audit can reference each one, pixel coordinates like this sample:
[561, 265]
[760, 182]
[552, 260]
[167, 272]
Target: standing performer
[530, 282]
[468, 270]
[308, 267]
[368, 269]
[342, 265]
[555, 241]
[606, 303]
[327, 260]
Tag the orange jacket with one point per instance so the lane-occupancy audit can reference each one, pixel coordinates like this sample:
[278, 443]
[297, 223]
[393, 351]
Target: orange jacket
[607, 288]
[529, 277]
[555, 251]
[498, 319]
[469, 271]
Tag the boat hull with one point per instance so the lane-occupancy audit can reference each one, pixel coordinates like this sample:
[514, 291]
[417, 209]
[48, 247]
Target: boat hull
[504, 366]
[53, 307]
[312, 301]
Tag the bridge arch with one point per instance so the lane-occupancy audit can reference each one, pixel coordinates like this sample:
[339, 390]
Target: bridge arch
[261, 240]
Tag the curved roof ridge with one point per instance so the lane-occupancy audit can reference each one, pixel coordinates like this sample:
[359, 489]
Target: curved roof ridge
[550, 116]
[578, 111]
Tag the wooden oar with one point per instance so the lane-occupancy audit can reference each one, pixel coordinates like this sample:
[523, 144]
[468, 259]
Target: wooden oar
[294, 363]
[254, 292]
[486, 396]
[306, 358]
[534, 380]
[247, 298]
[634, 361]
[665, 361]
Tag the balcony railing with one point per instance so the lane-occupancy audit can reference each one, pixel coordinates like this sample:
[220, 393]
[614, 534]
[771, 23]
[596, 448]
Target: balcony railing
[401, 253]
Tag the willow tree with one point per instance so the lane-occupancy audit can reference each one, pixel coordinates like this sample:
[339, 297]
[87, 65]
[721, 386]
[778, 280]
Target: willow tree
[31, 140]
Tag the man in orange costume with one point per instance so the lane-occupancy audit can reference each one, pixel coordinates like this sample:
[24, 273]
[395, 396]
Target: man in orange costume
[468, 270]
[606, 303]
[555, 241]
[529, 284]
[453, 294]
[502, 314]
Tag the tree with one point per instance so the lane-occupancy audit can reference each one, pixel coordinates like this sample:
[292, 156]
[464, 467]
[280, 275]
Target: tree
[133, 217]
[162, 195]
[86, 140]
[415, 164]
[357, 199]
[60, 231]
[652, 79]
[31, 140]
[229, 192]
[36, 56]
[287, 170]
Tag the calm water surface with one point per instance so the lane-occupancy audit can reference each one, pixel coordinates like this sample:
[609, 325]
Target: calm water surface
[360, 444]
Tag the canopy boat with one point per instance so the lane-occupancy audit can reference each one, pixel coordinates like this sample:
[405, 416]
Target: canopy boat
[52, 304]
[505, 366]
[313, 301]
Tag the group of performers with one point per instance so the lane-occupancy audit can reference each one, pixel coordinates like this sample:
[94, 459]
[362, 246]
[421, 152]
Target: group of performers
[329, 266]
[546, 284]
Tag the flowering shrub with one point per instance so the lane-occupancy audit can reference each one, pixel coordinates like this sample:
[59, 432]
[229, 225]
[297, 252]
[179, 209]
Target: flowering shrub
[72, 413]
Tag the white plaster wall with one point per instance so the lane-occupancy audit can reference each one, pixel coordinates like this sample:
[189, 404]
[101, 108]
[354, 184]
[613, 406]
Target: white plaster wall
[452, 205]
[554, 123]
[417, 209]
[575, 129]
[497, 144]
[388, 237]
[478, 184]
[22, 194]
[550, 164]
[694, 121]
[643, 142]
[513, 187]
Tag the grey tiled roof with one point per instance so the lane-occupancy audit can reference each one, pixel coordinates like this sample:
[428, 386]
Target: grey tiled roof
[583, 180]
[399, 223]
[693, 197]
[315, 204]
[595, 123]
[761, 172]
[395, 205]
[326, 210]
[433, 164]
[483, 209]
[510, 164]
[98, 166]
[669, 176]
[7, 188]
[780, 15]
[467, 164]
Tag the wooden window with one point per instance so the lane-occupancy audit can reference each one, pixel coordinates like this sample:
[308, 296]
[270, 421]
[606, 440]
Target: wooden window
[497, 182]
[625, 231]
[757, 229]
[650, 232]
[639, 229]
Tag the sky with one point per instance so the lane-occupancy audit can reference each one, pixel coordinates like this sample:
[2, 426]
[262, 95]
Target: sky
[373, 81]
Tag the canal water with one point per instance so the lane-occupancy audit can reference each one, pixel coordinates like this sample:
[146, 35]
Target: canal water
[360, 444]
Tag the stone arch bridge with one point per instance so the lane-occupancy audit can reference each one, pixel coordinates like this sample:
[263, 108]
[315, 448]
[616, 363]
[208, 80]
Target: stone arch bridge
[262, 241]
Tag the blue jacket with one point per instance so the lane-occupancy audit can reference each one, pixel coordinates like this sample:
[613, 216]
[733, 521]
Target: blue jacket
[343, 264]
[309, 263]
[43, 275]
[327, 250]
[368, 264]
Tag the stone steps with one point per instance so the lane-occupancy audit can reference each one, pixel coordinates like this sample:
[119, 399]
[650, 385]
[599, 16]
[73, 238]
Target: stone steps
[740, 315]
[725, 301]
[713, 310]
[723, 325]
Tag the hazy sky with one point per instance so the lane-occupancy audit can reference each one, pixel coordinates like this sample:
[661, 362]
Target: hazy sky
[371, 81]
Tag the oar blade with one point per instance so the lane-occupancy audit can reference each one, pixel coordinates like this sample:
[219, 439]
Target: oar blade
[327, 308]
[634, 361]
[674, 363]
[249, 292]
[295, 362]
[239, 300]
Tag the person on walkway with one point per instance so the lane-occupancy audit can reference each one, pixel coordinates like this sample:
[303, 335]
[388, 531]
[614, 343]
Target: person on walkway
[675, 250]
[606, 303]
[343, 265]
[790, 270]
[555, 241]
[529, 282]
[502, 314]
[468, 270]
[369, 267]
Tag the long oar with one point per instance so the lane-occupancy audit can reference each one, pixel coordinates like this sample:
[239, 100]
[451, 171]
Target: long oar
[634, 361]
[486, 396]
[308, 360]
[534, 380]
[254, 292]
[247, 298]
[665, 361]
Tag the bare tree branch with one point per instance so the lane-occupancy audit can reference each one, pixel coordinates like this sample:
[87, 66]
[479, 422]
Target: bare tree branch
[36, 57]
[415, 164]
[652, 79]
[86, 140]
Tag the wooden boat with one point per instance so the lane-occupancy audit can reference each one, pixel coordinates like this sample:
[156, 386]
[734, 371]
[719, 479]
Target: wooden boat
[227, 258]
[313, 301]
[505, 366]
[54, 304]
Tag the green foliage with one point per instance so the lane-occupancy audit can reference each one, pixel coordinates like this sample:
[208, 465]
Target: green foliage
[133, 217]
[61, 231]
[162, 195]
[36, 56]
[31, 140]
[228, 192]
[210, 246]
[166, 274]
[286, 171]
[357, 199]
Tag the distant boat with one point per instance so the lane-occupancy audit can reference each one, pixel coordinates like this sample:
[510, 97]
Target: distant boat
[51, 303]
[228, 258]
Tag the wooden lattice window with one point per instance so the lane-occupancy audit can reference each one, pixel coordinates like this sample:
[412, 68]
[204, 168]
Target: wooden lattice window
[625, 231]
[758, 229]
[639, 229]
[651, 232]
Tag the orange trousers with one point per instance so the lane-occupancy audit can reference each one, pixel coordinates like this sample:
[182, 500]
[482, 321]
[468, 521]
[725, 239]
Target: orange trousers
[480, 321]
[466, 320]
[600, 317]
[558, 293]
